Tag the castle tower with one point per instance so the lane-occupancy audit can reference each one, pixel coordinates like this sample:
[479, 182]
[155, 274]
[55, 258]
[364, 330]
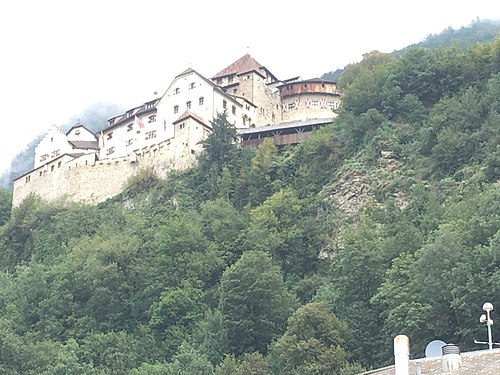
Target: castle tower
[310, 99]
[248, 79]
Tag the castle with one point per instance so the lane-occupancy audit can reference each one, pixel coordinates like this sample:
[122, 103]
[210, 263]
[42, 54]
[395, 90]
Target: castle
[167, 132]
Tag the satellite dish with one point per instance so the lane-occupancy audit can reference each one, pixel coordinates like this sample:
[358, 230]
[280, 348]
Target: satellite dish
[433, 349]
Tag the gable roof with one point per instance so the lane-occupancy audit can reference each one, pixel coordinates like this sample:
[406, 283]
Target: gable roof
[206, 80]
[188, 114]
[85, 145]
[244, 64]
[79, 125]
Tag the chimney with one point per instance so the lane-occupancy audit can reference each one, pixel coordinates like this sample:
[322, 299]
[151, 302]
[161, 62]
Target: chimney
[451, 359]
[401, 355]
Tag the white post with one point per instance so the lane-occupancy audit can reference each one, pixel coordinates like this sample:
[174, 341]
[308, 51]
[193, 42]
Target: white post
[402, 355]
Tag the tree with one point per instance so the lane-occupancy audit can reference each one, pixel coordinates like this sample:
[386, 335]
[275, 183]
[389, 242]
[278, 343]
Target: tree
[220, 142]
[188, 361]
[173, 316]
[312, 344]
[5, 205]
[219, 150]
[254, 303]
[249, 364]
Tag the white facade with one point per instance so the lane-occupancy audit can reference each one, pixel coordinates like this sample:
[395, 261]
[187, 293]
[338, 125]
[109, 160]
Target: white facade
[53, 145]
[138, 128]
[190, 91]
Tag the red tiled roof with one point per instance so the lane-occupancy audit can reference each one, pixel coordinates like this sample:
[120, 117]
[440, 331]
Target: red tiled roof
[244, 64]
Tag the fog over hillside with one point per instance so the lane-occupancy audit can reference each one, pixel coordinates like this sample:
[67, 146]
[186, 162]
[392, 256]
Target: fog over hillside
[94, 117]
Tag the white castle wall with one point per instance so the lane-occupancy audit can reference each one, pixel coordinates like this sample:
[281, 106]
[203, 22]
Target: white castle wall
[85, 179]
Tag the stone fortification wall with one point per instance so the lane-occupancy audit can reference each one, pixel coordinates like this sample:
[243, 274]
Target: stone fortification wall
[89, 181]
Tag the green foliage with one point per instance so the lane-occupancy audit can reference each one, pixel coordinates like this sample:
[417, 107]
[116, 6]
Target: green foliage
[387, 220]
[254, 303]
[312, 344]
[5, 206]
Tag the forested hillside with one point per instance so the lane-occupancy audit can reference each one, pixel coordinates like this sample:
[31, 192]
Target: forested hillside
[304, 261]
[479, 31]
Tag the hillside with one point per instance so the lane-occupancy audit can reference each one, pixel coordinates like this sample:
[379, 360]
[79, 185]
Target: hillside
[479, 31]
[304, 261]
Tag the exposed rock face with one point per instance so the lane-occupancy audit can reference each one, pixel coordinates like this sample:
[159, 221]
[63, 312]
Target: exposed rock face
[357, 184]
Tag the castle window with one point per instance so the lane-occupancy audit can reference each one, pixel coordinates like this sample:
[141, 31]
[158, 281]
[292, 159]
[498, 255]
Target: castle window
[77, 133]
[234, 91]
[224, 103]
[129, 113]
[129, 142]
[130, 127]
[152, 118]
[150, 135]
[55, 153]
[233, 109]
[28, 178]
[110, 150]
[52, 139]
[188, 104]
[192, 85]
[176, 109]
[110, 135]
[182, 126]
[59, 164]
[201, 100]
[177, 91]
[40, 173]
[52, 168]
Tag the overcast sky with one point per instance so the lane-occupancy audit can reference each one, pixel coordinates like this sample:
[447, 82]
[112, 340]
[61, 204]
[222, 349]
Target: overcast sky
[59, 57]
